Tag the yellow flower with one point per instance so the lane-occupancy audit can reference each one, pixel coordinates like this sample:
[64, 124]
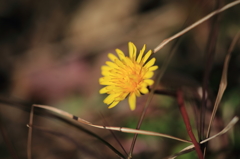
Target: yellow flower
[127, 76]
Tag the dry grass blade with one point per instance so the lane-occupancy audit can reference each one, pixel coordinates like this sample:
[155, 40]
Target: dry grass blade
[223, 84]
[191, 147]
[162, 44]
[122, 129]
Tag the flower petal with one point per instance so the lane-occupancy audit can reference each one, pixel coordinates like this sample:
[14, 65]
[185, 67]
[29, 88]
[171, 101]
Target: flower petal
[119, 63]
[132, 51]
[150, 63]
[148, 54]
[113, 104]
[141, 54]
[106, 73]
[137, 93]
[148, 75]
[149, 82]
[120, 54]
[112, 57]
[153, 68]
[144, 90]
[132, 101]
[109, 99]
[103, 81]
[121, 97]
[105, 68]
[103, 90]
[111, 64]
[129, 62]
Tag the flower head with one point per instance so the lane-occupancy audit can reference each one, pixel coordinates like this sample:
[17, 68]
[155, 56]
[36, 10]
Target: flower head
[127, 76]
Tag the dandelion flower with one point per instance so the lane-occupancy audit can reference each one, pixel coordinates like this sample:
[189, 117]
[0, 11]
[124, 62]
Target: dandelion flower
[127, 76]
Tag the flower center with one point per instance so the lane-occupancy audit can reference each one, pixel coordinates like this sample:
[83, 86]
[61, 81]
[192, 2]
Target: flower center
[130, 78]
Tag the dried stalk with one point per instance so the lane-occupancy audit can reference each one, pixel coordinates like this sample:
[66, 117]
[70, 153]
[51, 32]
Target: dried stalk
[164, 42]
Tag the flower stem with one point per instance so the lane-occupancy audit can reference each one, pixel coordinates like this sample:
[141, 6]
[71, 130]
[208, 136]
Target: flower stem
[187, 123]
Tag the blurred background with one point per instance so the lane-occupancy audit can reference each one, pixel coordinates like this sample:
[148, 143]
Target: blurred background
[51, 53]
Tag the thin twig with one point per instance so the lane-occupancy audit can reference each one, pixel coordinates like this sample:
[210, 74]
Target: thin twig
[162, 44]
[187, 123]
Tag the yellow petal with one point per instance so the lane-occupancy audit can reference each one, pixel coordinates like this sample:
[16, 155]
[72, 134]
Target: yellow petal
[120, 54]
[153, 68]
[121, 97]
[150, 63]
[119, 63]
[103, 90]
[149, 82]
[132, 101]
[105, 68]
[148, 54]
[134, 52]
[106, 73]
[141, 54]
[113, 105]
[103, 81]
[144, 90]
[148, 75]
[129, 62]
[130, 50]
[137, 93]
[111, 64]
[109, 99]
[112, 57]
